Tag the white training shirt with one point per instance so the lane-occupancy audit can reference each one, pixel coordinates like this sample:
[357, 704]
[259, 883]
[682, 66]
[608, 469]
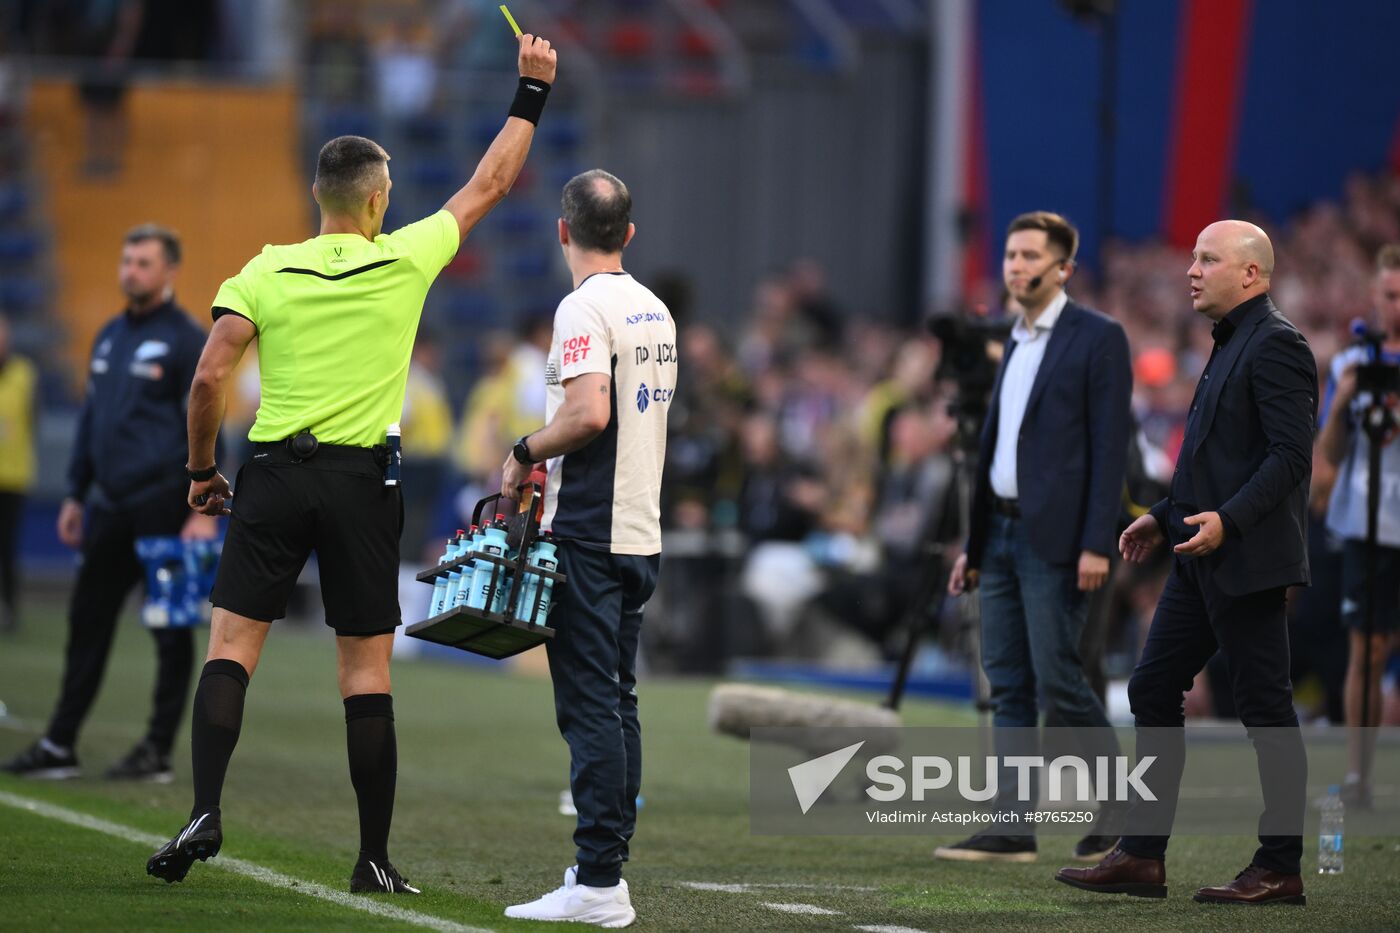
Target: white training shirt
[1016, 386]
[608, 494]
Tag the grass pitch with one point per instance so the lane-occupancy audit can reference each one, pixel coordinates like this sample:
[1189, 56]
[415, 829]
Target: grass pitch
[477, 823]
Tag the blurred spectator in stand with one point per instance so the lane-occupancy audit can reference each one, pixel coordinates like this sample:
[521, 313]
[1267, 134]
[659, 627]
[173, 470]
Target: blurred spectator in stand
[405, 72]
[1366, 586]
[337, 55]
[908, 522]
[486, 419]
[910, 381]
[527, 362]
[816, 309]
[505, 403]
[17, 420]
[427, 435]
[704, 463]
[780, 503]
[105, 34]
[471, 37]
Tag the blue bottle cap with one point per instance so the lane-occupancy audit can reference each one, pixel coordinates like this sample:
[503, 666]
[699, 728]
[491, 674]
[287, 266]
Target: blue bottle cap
[1334, 788]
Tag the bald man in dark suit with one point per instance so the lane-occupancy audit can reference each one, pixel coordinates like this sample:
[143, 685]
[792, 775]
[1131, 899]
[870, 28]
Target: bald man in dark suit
[1236, 519]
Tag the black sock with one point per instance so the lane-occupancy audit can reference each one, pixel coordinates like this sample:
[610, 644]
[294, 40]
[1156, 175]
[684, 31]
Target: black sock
[218, 716]
[374, 768]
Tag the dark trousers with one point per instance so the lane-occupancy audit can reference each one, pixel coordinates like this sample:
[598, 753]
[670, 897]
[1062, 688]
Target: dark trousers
[593, 663]
[1033, 614]
[1195, 618]
[11, 514]
[108, 572]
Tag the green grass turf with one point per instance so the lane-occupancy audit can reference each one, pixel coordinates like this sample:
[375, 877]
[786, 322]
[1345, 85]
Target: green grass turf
[476, 824]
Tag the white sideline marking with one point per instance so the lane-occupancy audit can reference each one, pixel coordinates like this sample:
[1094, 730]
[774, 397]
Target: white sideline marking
[879, 928]
[748, 888]
[240, 867]
[811, 909]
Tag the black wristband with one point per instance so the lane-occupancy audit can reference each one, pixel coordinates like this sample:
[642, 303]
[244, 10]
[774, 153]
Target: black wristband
[529, 100]
[204, 475]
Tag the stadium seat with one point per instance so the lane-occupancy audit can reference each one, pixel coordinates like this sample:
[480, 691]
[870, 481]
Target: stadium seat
[467, 265]
[433, 171]
[19, 246]
[693, 43]
[631, 39]
[14, 202]
[426, 130]
[527, 266]
[515, 220]
[21, 295]
[468, 307]
[482, 130]
[562, 132]
[349, 122]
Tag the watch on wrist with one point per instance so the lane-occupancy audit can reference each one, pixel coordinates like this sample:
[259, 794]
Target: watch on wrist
[521, 451]
[200, 476]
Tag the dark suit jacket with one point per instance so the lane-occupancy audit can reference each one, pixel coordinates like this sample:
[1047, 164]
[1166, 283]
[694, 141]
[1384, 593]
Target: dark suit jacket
[1253, 453]
[1073, 445]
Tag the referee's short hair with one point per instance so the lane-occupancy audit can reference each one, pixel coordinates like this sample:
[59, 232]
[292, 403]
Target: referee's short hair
[347, 171]
[597, 209]
[169, 240]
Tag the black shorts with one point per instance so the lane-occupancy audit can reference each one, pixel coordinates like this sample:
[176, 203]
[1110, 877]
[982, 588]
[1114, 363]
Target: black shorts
[1386, 591]
[335, 504]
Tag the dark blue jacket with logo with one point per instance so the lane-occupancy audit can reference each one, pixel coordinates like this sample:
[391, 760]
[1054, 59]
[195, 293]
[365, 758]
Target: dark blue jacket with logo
[132, 443]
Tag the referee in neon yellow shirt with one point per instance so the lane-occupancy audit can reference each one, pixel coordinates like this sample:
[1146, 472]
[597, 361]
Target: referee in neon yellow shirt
[335, 318]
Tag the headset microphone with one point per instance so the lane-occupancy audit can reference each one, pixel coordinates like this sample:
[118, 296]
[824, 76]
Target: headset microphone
[1034, 283]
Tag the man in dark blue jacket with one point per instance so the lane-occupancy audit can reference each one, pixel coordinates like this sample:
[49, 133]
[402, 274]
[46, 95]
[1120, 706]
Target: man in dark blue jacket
[1236, 520]
[127, 480]
[1044, 510]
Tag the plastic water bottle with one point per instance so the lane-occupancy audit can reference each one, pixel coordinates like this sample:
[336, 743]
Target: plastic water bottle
[393, 439]
[470, 548]
[439, 603]
[527, 582]
[494, 543]
[461, 575]
[543, 555]
[1329, 833]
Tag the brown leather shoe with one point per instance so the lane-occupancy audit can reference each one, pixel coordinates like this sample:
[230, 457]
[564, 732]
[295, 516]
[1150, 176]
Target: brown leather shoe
[1119, 873]
[1256, 885]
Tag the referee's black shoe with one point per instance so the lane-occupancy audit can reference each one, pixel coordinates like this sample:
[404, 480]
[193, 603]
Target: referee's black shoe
[200, 839]
[379, 878]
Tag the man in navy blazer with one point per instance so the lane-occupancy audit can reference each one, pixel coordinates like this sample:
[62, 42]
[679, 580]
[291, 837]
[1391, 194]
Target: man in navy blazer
[1236, 519]
[1044, 512]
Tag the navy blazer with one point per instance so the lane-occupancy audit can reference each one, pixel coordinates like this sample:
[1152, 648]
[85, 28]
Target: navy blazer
[1073, 448]
[1253, 453]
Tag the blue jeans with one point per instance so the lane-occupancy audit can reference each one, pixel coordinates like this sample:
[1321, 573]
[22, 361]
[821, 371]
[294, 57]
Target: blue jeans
[1033, 613]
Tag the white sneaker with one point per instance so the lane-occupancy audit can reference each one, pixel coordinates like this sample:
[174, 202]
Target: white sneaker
[579, 903]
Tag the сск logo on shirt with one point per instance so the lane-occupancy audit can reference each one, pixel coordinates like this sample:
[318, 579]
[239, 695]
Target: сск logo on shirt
[645, 396]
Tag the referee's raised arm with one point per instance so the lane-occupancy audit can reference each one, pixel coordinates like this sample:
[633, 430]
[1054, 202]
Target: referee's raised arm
[497, 171]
